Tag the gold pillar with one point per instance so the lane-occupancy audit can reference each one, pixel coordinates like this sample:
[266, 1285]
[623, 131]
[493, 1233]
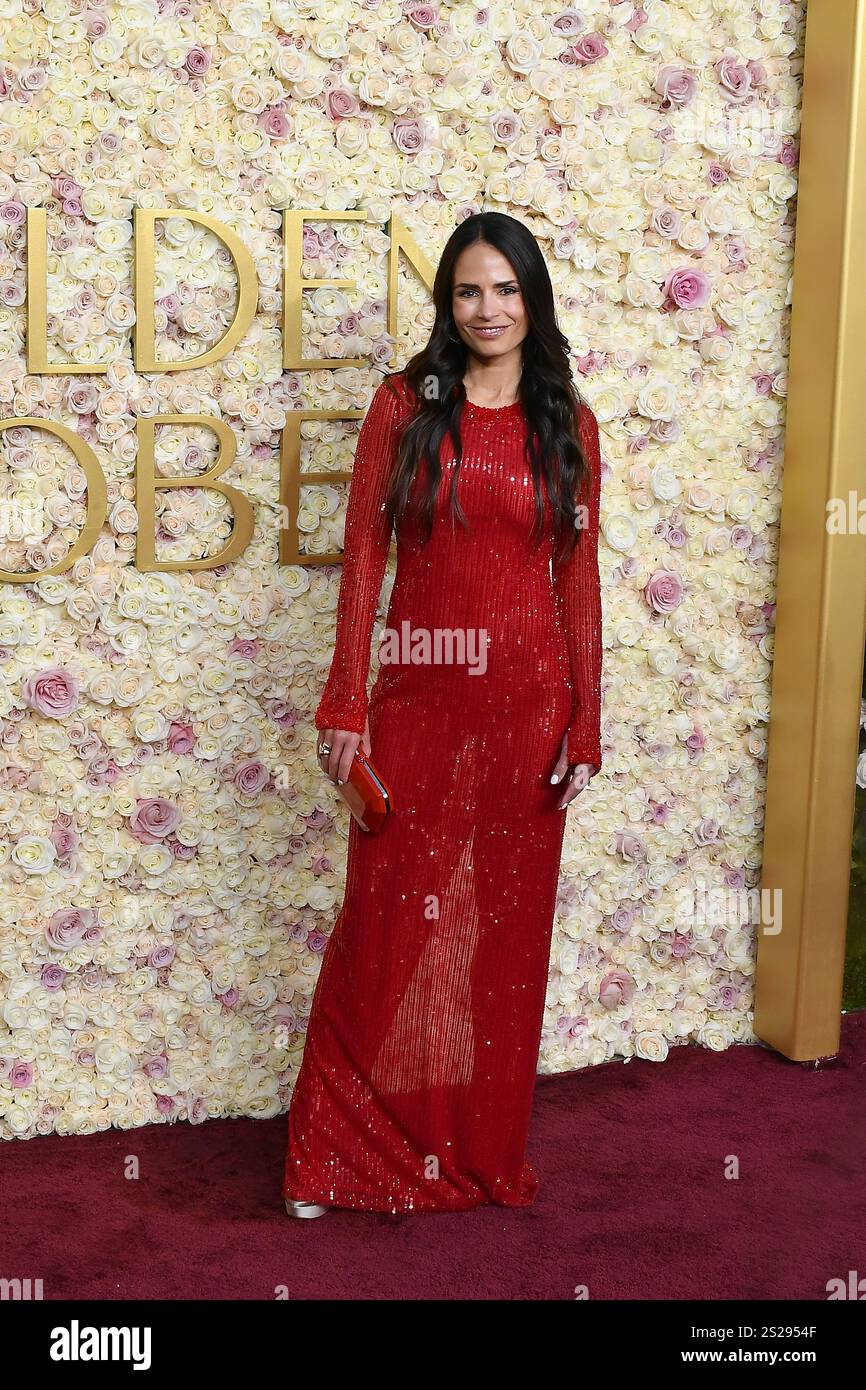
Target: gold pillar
[821, 589]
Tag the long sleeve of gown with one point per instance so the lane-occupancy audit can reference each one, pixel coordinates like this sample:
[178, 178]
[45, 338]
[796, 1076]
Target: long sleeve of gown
[365, 552]
[578, 594]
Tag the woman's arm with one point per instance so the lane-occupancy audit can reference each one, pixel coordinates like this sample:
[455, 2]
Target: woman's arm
[365, 552]
[578, 595]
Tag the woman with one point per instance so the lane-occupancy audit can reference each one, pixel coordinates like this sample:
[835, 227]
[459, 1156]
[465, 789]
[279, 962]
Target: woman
[416, 1082]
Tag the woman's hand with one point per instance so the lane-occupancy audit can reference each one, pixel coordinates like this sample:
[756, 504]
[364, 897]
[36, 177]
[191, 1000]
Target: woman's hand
[341, 743]
[579, 775]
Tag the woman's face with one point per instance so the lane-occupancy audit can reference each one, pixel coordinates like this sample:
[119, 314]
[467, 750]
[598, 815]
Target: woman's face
[486, 294]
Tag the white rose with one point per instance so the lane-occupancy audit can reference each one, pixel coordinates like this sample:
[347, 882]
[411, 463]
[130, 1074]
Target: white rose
[150, 725]
[35, 854]
[664, 483]
[663, 661]
[714, 1035]
[116, 863]
[620, 531]
[657, 400]
[651, 1045]
[155, 860]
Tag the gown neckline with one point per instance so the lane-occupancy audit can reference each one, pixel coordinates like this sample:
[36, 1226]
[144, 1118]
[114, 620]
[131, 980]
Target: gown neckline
[493, 409]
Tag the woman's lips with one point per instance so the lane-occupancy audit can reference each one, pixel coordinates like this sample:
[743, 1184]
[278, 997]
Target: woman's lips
[491, 332]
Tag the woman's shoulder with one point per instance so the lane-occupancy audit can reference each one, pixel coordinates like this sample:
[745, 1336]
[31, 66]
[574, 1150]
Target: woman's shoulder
[395, 386]
[585, 413]
[587, 423]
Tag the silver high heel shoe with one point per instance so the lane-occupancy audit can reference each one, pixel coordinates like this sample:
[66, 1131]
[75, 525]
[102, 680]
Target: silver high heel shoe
[305, 1209]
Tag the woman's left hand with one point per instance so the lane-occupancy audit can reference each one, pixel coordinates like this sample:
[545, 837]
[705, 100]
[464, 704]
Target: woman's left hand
[575, 775]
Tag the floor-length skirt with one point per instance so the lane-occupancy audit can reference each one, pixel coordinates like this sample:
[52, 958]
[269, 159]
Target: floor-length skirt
[416, 1083]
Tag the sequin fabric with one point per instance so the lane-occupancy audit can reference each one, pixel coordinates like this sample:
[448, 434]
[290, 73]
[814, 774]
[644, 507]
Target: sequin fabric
[416, 1083]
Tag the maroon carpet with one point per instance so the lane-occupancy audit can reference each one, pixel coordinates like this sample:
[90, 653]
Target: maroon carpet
[634, 1202]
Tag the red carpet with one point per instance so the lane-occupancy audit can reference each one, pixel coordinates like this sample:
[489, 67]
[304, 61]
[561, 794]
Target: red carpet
[633, 1201]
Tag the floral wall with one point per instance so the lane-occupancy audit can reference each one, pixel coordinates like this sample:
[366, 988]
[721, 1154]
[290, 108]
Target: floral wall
[172, 859]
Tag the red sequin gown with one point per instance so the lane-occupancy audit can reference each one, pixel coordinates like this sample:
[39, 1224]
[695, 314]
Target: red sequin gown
[417, 1077]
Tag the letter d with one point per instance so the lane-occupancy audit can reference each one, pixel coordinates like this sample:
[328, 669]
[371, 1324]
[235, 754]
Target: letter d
[145, 254]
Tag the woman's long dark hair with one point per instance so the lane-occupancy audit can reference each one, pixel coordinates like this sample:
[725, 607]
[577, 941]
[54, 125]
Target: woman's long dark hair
[547, 392]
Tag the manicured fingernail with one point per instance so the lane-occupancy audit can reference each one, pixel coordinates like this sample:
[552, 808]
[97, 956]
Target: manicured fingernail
[555, 777]
[339, 781]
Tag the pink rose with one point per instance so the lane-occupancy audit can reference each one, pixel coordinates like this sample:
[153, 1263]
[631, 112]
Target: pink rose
[81, 397]
[67, 187]
[687, 287]
[590, 48]
[676, 85]
[707, 831]
[64, 839]
[632, 847]
[569, 22]
[156, 1067]
[102, 772]
[32, 79]
[734, 80]
[68, 926]
[664, 591]
[275, 122]
[616, 988]
[666, 222]
[425, 16]
[181, 738]
[788, 153]
[153, 819]
[763, 383]
[342, 104]
[408, 136]
[53, 692]
[161, 956]
[250, 777]
[622, 919]
[245, 646]
[504, 127]
[53, 977]
[197, 61]
[21, 1075]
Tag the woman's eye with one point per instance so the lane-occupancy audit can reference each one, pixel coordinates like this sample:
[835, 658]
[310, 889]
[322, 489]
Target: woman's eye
[506, 289]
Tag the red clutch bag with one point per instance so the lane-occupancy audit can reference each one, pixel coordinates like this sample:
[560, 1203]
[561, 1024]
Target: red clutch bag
[365, 793]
